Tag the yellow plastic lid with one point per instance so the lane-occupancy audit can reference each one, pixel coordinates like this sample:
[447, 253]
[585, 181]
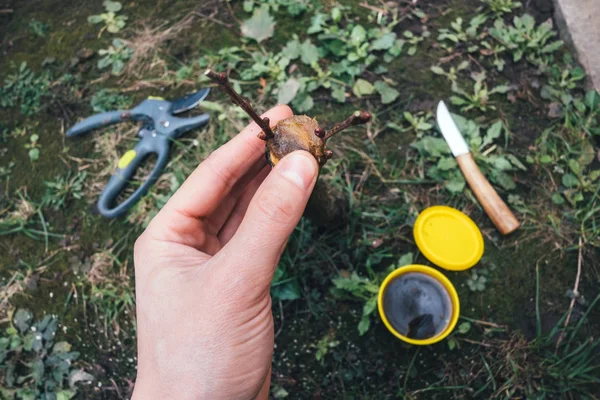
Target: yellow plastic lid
[448, 238]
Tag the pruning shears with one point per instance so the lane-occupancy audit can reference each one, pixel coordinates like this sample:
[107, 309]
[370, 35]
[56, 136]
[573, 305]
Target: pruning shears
[159, 128]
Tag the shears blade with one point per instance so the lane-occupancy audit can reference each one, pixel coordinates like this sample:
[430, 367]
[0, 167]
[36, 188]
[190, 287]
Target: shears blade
[189, 101]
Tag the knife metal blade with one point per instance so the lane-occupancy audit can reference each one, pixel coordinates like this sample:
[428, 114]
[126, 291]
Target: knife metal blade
[492, 203]
[450, 131]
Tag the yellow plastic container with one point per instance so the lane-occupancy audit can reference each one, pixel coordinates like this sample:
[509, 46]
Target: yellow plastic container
[400, 295]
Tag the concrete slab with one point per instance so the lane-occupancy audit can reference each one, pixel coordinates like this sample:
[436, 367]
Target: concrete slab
[579, 24]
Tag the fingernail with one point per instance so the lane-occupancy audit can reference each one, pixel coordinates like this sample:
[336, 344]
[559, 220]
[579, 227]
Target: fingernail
[299, 169]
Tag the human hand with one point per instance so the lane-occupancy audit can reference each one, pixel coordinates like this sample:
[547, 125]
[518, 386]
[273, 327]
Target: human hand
[203, 269]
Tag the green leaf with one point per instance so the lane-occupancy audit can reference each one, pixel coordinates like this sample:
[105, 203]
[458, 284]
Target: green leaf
[446, 163]
[317, 22]
[385, 42]
[558, 199]
[370, 306]
[113, 28]
[503, 179]
[456, 184]
[339, 93]
[516, 162]
[37, 370]
[500, 162]
[112, 6]
[248, 5]
[358, 35]
[289, 290]
[432, 146]
[61, 347]
[287, 91]
[363, 325]
[577, 74]
[592, 100]
[279, 392]
[362, 88]
[405, 259]
[380, 69]
[464, 327]
[500, 89]
[303, 103]
[545, 159]
[117, 67]
[95, 19]
[493, 132]
[291, 49]
[458, 101]
[396, 49]
[424, 126]
[575, 167]
[34, 154]
[388, 93]
[104, 62]
[437, 70]
[260, 26]
[65, 394]
[451, 343]
[309, 53]
[588, 153]
[552, 47]
[336, 14]
[570, 180]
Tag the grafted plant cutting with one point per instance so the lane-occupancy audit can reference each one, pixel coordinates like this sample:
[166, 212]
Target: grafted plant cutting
[299, 132]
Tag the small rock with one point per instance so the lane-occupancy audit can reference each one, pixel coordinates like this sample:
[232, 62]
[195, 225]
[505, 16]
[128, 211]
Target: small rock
[555, 110]
[85, 54]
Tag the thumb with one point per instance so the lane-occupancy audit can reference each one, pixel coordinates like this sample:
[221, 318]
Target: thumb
[271, 217]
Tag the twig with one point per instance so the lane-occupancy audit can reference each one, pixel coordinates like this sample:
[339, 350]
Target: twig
[575, 294]
[451, 57]
[116, 388]
[475, 342]
[211, 18]
[480, 322]
[476, 62]
[281, 315]
[357, 118]
[232, 13]
[6, 11]
[222, 80]
[373, 8]
[378, 173]
[410, 366]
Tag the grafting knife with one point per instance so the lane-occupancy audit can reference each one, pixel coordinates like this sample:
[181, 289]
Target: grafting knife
[494, 206]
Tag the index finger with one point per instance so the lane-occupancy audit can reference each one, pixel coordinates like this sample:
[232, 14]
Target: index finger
[213, 179]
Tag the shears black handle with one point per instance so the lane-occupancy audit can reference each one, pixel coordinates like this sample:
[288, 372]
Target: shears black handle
[151, 142]
[98, 121]
[126, 168]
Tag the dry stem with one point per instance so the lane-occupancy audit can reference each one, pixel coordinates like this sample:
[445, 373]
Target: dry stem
[357, 118]
[575, 295]
[147, 41]
[222, 80]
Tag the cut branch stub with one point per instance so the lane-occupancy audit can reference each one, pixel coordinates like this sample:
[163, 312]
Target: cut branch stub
[299, 132]
[357, 118]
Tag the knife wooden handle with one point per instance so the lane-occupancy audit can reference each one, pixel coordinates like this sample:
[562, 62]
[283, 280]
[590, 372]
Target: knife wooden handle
[494, 206]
